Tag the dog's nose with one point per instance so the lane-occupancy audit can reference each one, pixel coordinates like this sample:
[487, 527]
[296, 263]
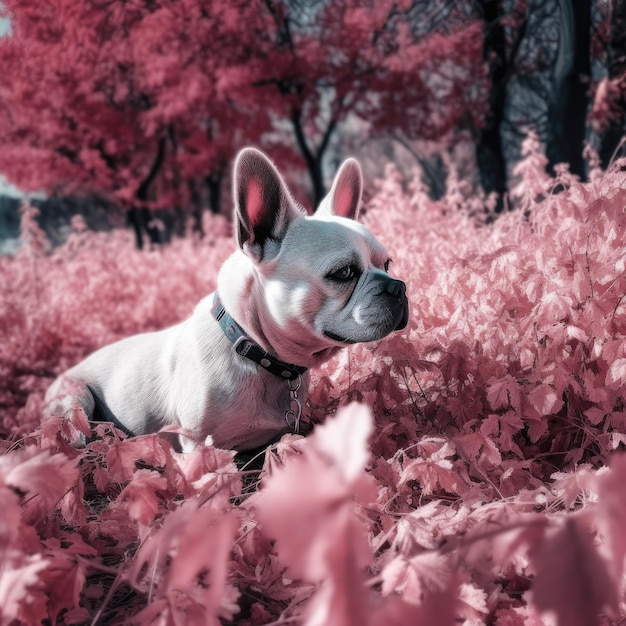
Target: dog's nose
[396, 288]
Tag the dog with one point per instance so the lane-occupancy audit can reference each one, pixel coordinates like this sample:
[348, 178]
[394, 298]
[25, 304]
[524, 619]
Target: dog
[235, 374]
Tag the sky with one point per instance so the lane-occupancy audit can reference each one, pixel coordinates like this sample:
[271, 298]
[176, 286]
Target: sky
[4, 24]
[6, 189]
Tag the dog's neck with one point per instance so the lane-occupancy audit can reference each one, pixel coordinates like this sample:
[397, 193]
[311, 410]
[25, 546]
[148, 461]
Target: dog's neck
[243, 299]
[248, 348]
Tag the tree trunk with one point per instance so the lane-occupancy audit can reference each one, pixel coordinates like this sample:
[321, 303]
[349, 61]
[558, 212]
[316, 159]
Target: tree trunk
[195, 198]
[214, 185]
[616, 129]
[140, 220]
[179, 228]
[489, 149]
[433, 172]
[569, 101]
[313, 161]
[141, 217]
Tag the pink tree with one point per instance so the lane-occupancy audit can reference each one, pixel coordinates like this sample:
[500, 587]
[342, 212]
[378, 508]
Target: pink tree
[124, 100]
[374, 62]
[146, 103]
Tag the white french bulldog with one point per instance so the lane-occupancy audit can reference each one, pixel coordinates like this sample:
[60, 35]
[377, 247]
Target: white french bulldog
[234, 374]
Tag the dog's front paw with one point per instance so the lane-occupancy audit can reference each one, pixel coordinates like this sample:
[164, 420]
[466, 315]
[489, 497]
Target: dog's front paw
[69, 405]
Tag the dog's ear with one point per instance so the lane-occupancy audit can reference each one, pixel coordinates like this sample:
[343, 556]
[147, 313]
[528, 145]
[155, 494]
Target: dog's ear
[263, 206]
[344, 197]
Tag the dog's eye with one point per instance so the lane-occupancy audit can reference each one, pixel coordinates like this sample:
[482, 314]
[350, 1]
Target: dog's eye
[344, 274]
[387, 263]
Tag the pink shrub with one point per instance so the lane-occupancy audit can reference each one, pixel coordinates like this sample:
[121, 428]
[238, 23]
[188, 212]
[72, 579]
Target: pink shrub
[59, 306]
[479, 480]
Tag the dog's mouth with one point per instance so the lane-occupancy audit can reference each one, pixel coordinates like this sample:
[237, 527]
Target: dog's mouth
[401, 314]
[377, 322]
[339, 338]
[404, 320]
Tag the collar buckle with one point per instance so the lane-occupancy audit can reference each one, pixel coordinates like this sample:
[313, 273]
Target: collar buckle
[243, 345]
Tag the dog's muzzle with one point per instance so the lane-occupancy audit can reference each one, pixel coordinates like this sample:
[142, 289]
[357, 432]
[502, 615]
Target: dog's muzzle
[397, 289]
[382, 308]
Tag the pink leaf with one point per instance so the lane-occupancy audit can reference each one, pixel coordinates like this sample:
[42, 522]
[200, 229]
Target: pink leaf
[545, 400]
[502, 392]
[611, 515]
[572, 579]
[318, 535]
[65, 577]
[142, 497]
[344, 440]
[307, 522]
[616, 376]
[417, 577]
[20, 577]
[45, 475]
[186, 561]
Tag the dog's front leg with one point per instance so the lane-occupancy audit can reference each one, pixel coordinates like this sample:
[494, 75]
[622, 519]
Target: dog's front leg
[65, 396]
[67, 393]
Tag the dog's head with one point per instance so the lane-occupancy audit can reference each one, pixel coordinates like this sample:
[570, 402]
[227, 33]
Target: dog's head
[317, 282]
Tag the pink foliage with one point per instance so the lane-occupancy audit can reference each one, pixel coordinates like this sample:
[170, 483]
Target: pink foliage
[112, 76]
[606, 103]
[181, 83]
[476, 479]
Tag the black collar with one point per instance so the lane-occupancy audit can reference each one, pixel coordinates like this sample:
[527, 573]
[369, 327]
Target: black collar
[248, 348]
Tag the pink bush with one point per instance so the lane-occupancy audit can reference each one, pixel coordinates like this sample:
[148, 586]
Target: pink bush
[478, 479]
